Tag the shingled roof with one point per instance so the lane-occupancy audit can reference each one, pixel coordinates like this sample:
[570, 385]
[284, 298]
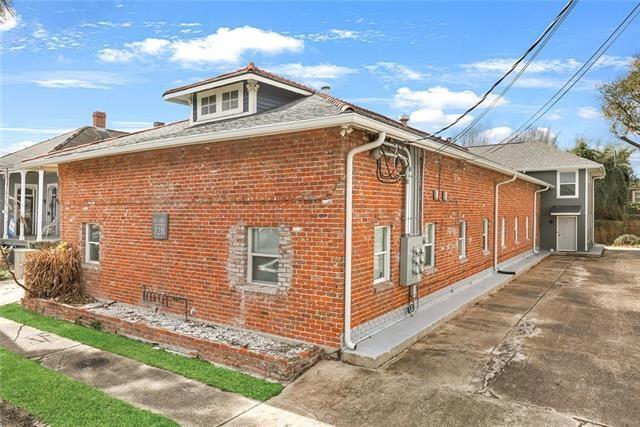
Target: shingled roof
[528, 156]
[74, 138]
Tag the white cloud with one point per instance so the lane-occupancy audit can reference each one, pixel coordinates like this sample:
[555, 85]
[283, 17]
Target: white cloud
[15, 146]
[9, 22]
[150, 46]
[433, 105]
[613, 61]
[73, 79]
[497, 134]
[344, 34]
[434, 118]
[69, 83]
[334, 34]
[553, 116]
[589, 113]
[115, 55]
[546, 65]
[107, 24]
[314, 72]
[190, 24]
[394, 71]
[226, 45]
[439, 97]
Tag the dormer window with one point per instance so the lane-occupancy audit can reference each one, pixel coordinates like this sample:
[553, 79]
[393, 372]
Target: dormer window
[220, 102]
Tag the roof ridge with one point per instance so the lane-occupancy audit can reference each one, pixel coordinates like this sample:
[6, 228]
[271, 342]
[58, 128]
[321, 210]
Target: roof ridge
[42, 142]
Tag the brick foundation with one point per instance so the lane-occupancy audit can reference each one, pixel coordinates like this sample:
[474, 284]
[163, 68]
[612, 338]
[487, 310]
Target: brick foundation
[268, 366]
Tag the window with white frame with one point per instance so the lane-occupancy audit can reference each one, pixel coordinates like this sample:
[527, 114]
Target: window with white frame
[462, 239]
[567, 184]
[635, 196]
[516, 236]
[485, 234]
[264, 255]
[220, 102]
[381, 254]
[526, 227]
[92, 243]
[503, 232]
[429, 244]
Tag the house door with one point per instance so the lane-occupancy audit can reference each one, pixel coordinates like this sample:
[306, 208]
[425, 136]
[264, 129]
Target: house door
[52, 210]
[28, 214]
[567, 233]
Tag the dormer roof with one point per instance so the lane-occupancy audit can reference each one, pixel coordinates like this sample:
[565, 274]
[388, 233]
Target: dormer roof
[181, 94]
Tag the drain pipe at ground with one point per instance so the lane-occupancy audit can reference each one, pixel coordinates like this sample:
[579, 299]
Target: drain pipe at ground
[495, 222]
[348, 230]
[535, 222]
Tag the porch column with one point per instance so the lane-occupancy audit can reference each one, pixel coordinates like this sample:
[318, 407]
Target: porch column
[7, 175]
[23, 193]
[40, 204]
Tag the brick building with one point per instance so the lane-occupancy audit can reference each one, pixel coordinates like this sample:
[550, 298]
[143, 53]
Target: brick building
[247, 207]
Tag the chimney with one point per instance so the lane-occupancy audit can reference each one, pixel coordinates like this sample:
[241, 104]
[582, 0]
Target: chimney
[157, 124]
[325, 89]
[404, 119]
[100, 119]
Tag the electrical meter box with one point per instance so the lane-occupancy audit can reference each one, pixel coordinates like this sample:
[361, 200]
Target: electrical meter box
[412, 259]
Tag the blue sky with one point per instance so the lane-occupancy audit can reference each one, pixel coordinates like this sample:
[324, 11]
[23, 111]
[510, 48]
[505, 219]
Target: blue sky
[61, 61]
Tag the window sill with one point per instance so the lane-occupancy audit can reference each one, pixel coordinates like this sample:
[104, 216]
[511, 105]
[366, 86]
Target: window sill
[382, 286]
[261, 289]
[486, 253]
[462, 259]
[90, 265]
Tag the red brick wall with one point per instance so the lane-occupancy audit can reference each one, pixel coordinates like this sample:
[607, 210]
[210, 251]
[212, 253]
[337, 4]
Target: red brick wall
[470, 197]
[294, 180]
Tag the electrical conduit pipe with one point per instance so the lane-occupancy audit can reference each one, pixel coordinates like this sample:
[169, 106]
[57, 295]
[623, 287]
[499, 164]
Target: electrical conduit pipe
[535, 221]
[348, 231]
[495, 221]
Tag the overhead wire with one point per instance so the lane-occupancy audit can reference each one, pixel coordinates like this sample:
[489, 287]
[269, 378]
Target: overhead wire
[571, 82]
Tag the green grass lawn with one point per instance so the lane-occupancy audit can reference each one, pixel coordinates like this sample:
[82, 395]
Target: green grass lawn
[200, 370]
[61, 401]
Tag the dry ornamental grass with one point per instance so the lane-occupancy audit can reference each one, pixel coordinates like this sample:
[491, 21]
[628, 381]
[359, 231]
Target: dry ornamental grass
[54, 273]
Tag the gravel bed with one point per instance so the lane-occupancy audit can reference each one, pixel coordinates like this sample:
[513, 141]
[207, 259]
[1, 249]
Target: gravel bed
[227, 335]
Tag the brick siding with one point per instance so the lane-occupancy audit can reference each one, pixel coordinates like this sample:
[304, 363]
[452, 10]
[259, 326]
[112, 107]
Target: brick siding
[213, 192]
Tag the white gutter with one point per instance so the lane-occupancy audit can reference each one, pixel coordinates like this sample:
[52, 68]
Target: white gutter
[495, 220]
[348, 231]
[299, 125]
[535, 222]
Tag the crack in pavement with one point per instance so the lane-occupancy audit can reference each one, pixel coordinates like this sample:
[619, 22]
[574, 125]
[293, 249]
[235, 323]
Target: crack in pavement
[18, 333]
[240, 414]
[41, 356]
[508, 348]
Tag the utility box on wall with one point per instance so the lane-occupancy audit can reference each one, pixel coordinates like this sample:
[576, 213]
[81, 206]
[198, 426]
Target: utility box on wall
[412, 259]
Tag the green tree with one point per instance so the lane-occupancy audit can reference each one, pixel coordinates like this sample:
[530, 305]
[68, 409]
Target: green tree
[610, 193]
[621, 104]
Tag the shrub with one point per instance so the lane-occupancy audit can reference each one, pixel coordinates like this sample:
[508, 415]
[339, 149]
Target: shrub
[54, 273]
[627, 240]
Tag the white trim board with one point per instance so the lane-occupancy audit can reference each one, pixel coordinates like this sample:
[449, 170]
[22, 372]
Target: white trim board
[286, 127]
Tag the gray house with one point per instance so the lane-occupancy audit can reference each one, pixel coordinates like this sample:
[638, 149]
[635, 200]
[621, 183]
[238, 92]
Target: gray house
[566, 211]
[38, 219]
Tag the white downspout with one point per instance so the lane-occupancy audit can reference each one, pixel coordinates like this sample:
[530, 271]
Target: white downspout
[535, 221]
[495, 221]
[348, 231]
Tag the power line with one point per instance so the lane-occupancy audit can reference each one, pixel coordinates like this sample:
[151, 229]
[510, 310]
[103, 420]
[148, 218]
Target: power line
[516, 77]
[514, 66]
[575, 78]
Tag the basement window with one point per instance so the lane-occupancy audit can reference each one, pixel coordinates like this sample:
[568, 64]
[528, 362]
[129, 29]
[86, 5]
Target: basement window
[92, 243]
[462, 239]
[381, 254]
[568, 185]
[264, 255]
[429, 244]
[503, 234]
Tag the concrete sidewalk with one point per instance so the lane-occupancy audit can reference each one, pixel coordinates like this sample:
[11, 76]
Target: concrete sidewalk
[186, 401]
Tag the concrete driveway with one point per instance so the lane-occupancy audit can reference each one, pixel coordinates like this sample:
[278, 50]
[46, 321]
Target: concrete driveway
[558, 346]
